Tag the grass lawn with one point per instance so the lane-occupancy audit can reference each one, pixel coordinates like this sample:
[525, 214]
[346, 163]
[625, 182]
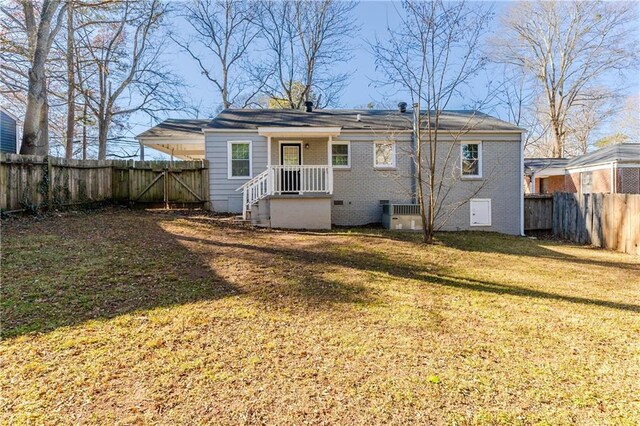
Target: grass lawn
[165, 318]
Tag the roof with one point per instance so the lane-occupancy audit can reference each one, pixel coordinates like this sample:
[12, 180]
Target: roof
[347, 119]
[624, 152]
[535, 164]
[177, 128]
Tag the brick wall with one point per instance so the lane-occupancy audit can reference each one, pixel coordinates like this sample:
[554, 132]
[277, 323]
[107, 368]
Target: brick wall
[362, 187]
[572, 182]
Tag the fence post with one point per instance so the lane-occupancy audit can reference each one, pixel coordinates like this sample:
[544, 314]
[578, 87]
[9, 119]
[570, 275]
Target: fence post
[130, 180]
[206, 205]
[49, 183]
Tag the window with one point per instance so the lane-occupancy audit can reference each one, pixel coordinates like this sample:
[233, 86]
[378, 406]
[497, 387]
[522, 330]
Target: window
[586, 179]
[239, 160]
[340, 155]
[471, 160]
[384, 154]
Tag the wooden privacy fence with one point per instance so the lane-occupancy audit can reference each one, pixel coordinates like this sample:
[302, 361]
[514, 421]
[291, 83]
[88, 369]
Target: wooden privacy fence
[31, 183]
[538, 212]
[605, 220]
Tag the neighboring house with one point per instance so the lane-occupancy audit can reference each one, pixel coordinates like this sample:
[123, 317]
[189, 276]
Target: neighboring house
[8, 132]
[614, 169]
[311, 169]
[544, 175]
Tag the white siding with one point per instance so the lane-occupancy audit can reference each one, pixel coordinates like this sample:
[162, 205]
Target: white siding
[224, 197]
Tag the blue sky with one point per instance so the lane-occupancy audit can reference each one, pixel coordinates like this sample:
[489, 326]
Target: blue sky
[373, 16]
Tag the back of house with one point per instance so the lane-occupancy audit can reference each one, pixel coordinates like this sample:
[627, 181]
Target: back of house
[317, 168]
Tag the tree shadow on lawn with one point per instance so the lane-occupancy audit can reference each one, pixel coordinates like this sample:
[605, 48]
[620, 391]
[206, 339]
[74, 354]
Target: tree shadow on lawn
[323, 256]
[493, 242]
[65, 271]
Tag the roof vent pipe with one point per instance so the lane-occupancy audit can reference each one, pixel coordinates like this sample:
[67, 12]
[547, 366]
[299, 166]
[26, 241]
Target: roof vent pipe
[402, 106]
[308, 106]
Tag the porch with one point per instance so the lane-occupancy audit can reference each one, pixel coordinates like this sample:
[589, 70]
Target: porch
[295, 189]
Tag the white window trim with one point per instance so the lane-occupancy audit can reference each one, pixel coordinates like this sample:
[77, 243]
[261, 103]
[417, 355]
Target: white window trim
[393, 155]
[229, 176]
[479, 175]
[471, 212]
[348, 144]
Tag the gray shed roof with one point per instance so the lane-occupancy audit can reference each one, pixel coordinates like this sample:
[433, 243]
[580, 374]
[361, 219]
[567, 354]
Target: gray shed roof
[347, 119]
[625, 152]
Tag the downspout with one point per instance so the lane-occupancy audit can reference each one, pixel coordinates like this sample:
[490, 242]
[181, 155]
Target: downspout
[414, 150]
[522, 184]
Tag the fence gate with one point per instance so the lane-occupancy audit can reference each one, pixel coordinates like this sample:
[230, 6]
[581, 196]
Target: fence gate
[182, 184]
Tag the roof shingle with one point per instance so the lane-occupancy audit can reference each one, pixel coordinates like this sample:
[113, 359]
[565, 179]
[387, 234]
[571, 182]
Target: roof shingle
[347, 119]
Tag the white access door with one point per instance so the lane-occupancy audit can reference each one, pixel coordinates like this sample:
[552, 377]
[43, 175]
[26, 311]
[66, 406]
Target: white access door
[480, 209]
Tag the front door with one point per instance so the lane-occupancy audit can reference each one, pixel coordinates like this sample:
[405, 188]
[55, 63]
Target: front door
[290, 155]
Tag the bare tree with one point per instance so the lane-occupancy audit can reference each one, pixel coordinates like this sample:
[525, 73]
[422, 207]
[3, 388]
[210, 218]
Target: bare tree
[569, 47]
[583, 123]
[121, 72]
[305, 39]
[41, 23]
[431, 55]
[518, 101]
[224, 31]
[625, 126]
[71, 79]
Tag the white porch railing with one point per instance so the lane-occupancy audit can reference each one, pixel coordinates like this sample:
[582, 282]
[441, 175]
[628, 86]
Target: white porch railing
[286, 180]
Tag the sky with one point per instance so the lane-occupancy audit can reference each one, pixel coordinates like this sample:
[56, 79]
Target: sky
[373, 16]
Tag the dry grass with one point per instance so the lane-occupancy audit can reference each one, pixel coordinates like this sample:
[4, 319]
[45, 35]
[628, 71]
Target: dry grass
[139, 318]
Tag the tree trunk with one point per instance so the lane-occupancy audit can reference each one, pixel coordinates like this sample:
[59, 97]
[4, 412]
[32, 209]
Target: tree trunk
[417, 130]
[34, 138]
[103, 131]
[71, 99]
[84, 131]
[558, 144]
[34, 142]
[43, 144]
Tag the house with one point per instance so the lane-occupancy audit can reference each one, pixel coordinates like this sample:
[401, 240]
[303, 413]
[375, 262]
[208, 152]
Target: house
[544, 175]
[613, 169]
[316, 168]
[8, 132]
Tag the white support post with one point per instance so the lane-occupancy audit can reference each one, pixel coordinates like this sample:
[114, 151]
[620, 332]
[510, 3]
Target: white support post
[268, 151]
[329, 166]
[330, 180]
[613, 179]
[244, 204]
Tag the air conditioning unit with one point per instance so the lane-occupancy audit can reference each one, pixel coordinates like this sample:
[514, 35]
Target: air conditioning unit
[401, 217]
